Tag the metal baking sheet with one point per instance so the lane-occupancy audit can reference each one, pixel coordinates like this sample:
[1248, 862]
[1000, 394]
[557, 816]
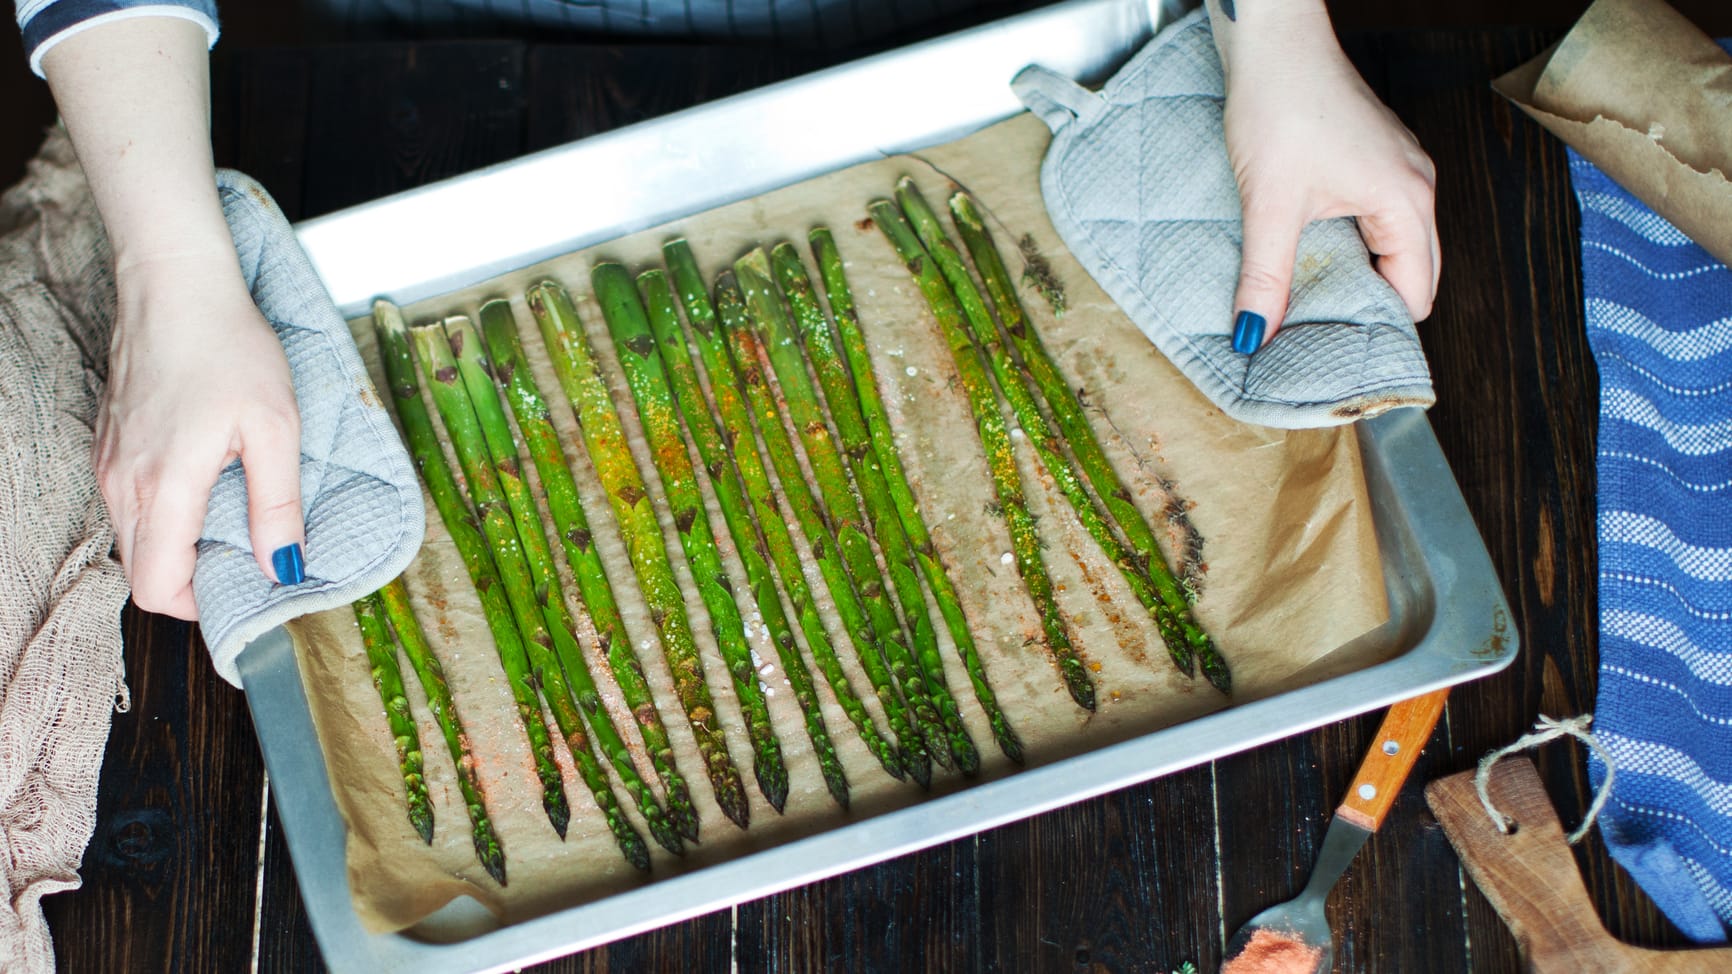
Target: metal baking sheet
[1449, 621]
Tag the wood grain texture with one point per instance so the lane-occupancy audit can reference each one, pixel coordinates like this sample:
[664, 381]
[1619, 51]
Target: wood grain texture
[405, 115]
[169, 874]
[1517, 405]
[1394, 750]
[1527, 872]
[1143, 879]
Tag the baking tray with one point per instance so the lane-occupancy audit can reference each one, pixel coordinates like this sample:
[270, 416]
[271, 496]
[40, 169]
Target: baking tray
[1449, 621]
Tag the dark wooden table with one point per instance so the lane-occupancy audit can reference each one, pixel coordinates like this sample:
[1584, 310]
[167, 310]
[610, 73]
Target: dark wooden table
[188, 870]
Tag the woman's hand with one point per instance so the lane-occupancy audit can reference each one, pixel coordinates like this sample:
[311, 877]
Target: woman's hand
[196, 375]
[196, 379]
[1310, 141]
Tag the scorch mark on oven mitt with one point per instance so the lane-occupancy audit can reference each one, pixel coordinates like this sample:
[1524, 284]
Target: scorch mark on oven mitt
[358, 490]
[1138, 184]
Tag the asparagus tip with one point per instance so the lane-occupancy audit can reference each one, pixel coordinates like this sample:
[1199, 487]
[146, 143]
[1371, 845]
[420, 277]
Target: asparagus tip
[1082, 689]
[938, 747]
[667, 836]
[967, 758]
[557, 813]
[1008, 742]
[491, 855]
[773, 782]
[1216, 672]
[838, 786]
[632, 846]
[891, 761]
[919, 766]
[421, 816]
[735, 808]
[683, 817]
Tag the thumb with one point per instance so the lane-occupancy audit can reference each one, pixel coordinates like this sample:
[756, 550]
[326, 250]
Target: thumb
[1271, 240]
[271, 457]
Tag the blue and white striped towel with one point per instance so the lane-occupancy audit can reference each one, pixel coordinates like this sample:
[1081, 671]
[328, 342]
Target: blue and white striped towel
[1659, 316]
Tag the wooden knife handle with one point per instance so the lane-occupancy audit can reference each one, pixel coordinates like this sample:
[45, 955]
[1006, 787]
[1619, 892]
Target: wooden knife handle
[1400, 738]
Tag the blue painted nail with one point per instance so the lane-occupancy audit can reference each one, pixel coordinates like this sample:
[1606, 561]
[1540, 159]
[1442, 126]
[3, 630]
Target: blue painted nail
[291, 570]
[1248, 332]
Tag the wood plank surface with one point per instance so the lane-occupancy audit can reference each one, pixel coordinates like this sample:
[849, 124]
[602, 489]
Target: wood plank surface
[1143, 879]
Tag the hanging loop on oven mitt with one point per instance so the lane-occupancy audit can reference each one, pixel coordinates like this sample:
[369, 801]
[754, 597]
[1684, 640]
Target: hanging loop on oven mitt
[359, 496]
[1138, 184]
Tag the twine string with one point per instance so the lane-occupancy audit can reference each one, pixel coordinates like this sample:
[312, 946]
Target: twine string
[1547, 729]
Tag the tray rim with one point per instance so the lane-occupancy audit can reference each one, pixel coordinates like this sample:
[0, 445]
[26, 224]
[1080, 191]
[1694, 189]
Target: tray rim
[1466, 628]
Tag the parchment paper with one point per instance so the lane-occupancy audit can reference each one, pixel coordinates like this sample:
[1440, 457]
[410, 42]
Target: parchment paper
[1646, 96]
[1292, 565]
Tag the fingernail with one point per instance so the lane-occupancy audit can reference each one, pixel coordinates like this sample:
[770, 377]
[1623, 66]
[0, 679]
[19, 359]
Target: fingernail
[291, 570]
[1248, 332]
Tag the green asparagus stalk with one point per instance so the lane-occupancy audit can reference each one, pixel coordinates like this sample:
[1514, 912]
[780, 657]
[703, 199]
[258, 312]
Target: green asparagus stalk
[580, 378]
[1068, 413]
[664, 322]
[736, 424]
[394, 598]
[983, 332]
[1000, 453]
[749, 360]
[455, 408]
[813, 329]
[853, 341]
[571, 524]
[660, 420]
[799, 398]
[476, 375]
[388, 680]
[465, 530]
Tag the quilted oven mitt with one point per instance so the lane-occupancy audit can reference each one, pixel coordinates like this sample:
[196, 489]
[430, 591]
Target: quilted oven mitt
[358, 491]
[1138, 184]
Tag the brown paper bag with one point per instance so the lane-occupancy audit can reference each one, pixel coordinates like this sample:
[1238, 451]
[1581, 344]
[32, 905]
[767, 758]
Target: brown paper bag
[1647, 97]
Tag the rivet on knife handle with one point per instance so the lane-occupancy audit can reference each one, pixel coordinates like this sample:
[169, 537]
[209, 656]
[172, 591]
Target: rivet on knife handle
[1400, 738]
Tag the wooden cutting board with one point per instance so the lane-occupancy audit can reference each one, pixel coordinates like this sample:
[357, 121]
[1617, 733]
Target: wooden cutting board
[1530, 877]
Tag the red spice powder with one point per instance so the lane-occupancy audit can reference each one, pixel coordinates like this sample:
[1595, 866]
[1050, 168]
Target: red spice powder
[1274, 953]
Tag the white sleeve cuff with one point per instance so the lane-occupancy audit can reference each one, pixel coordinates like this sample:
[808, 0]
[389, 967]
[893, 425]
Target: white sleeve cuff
[198, 17]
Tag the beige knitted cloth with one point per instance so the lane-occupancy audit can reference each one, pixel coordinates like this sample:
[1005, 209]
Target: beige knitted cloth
[61, 591]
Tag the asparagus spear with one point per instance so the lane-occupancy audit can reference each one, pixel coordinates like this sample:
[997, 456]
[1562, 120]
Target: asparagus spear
[465, 531]
[736, 423]
[1068, 413]
[664, 322]
[800, 399]
[748, 355]
[388, 680]
[394, 598]
[814, 332]
[458, 412]
[853, 340]
[572, 525]
[476, 375]
[581, 380]
[657, 415]
[983, 332]
[1000, 453]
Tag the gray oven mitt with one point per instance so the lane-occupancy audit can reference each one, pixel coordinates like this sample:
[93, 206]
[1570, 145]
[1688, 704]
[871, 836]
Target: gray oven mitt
[1138, 184]
[358, 491]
